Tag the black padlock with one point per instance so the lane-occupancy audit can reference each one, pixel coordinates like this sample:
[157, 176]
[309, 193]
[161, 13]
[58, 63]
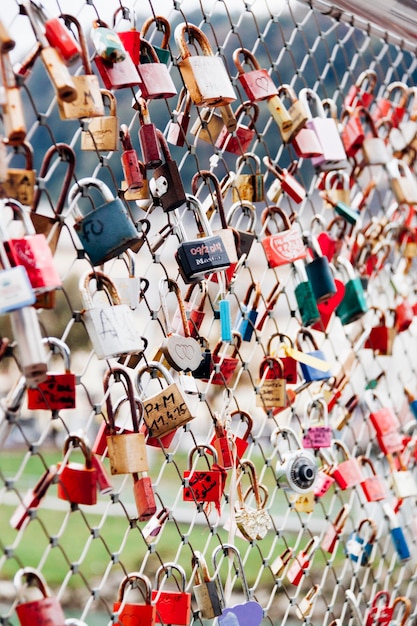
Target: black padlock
[166, 185]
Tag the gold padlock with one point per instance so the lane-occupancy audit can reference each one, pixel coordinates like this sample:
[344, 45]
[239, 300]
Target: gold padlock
[13, 115]
[248, 187]
[20, 183]
[208, 125]
[102, 133]
[89, 101]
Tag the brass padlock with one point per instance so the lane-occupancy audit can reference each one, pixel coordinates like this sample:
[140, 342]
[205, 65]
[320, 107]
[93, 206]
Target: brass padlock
[208, 125]
[12, 109]
[89, 101]
[248, 187]
[206, 591]
[102, 133]
[20, 183]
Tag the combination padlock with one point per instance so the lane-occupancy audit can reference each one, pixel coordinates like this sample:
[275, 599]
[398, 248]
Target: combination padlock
[297, 468]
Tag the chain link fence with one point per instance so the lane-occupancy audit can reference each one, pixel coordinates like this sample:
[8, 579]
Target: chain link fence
[285, 548]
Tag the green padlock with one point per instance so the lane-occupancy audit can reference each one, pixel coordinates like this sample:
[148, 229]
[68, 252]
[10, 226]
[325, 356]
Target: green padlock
[304, 295]
[354, 304]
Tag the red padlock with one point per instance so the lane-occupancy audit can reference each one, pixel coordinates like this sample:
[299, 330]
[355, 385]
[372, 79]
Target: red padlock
[403, 315]
[302, 561]
[373, 486]
[287, 181]
[203, 485]
[156, 81]
[381, 338]
[58, 390]
[224, 446]
[224, 364]
[347, 473]
[172, 607]
[133, 614]
[119, 75]
[59, 36]
[290, 364]
[132, 170]
[240, 140]
[144, 496]
[33, 498]
[334, 530]
[77, 481]
[42, 612]
[284, 246]
[387, 426]
[380, 611]
[353, 132]
[257, 83]
[129, 38]
[362, 92]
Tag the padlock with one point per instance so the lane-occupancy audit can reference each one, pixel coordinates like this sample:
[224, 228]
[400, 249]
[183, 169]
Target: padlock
[324, 478]
[205, 485]
[148, 137]
[205, 75]
[58, 391]
[257, 83]
[373, 485]
[246, 318]
[89, 101]
[223, 443]
[346, 473]
[246, 238]
[401, 477]
[166, 186]
[30, 350]
[130, 38]
[208, 124]
[224, 361]
[352, 131]
[297, 111]
[297, 469]
[108, 229]
[302, 561]
[326, 129]
[240, 442]
[304, 296]
[397, 534]
[166, 410]
[332, 240]
[16, 292]
[163, 25]
[252, 523]
[42, 611]
[182, 352]
[358, 547]
[386, 424]
[151, 530]
[13, 117]
[248, 187]
[272, 384]
[51, 226]
[239, 141]
[113, 63]
[278, 564]
[143, 612]
[32, 252]
[354, 304]
[156, 81]
[319, 271]
[305, 606]
[317, 433]
[381, 337]
[392, 105]
[375, 149]
[133, 174]
[380, 611]
[126, 450]
[180, 120]
[33, 498]
[172, 607]
[310, 369]
[285, 182]
[77, 481]
[144, 495]
[283, 353]
[215, 198]
[102, 133]
[54, 64]
[204, 255]
[19, 184]
[247, 612]
[194, 310]
[332, 534]
[109, 323]
[361, 93]
[58, 34]
[209, 601]
[284, 246]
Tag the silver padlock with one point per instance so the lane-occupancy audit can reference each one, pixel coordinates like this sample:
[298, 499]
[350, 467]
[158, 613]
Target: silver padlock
[297, 469]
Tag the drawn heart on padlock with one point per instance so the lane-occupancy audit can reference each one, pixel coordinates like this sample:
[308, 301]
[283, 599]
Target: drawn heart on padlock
[263, 83]
[327, 307]
[247, 614]
[182, 353]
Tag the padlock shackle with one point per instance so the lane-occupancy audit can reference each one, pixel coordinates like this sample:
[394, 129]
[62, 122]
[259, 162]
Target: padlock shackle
[136, 579]
[287, 433]
[305, 333]
[127, 15]
[308, 95]
[33, 577]
[26, 149]
[200, 449]
[163, 144]
[270, 211]
[194, 33]
[373, 528]
[269, 362]
[152, 367]
[103, 282]
[79, 442]
[236, 342]
[62, 347]
[23, 214]
[208, 177]
[228, 550]
[174, 287]
[244, 417]
[85, 58]
[248, 58]
[251, 110]
[286, 91]
[81, 186]
[254, 485]
[243, 159]
[162, 24]
[319, 403]
[247, 208]
[166, 570]
[67, 154]
[200, 564]
[147, 49]
[117, 373]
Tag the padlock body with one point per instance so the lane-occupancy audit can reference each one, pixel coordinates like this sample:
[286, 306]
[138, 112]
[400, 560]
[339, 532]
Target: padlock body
[169, 189]
[321, 278]
[41, 612]
[166, 411]
[88, 103]
[15, 289]
[102, 134]
[172, 607]
[203, 486]
[77, 484]
[207, 80]
[318, 437]
[307, 304]
[248, 187]
[34, 253]
[117, 75]
[354, 304]
[19, 185]
[131, 170]
[347, 474]
[208, 599]
[258, 85]
[149, 145]
[131, 42]
[312, 373]
[56, 393]
[13, 117]
[202, 256]
[156, 81]
[222, 445]
[135, 614]
[60, 38]
[127, 453]
[144, 498]
[237, 143]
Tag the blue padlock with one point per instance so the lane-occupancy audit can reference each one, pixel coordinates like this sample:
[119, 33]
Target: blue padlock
[310, 372]
[107, 230]
[358, 548]
[246, 318]
[397, 534]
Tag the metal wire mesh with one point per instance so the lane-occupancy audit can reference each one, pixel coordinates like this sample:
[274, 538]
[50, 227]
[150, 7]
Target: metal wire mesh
[300, 47]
